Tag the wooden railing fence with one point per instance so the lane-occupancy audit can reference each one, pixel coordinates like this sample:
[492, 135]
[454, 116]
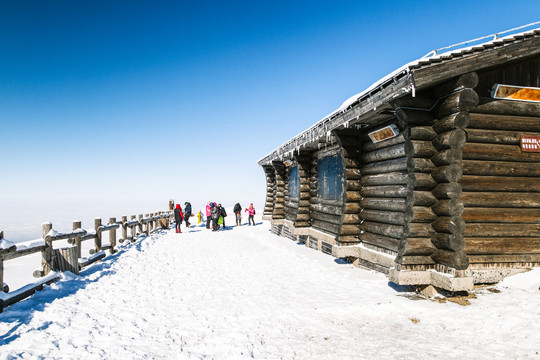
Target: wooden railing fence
[70, 258]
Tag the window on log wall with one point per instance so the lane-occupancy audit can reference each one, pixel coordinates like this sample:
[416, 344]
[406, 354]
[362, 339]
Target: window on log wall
[294, 182]
[329, 177]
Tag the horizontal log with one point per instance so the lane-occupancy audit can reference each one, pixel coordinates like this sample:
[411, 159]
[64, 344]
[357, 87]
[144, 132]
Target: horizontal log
[326, 227]
[423, 181]
[499, 168]
[504, 122]
[385, 191]
[500, 183]
[302, 224]
[384, 242]
[385, 166]
[353, 196]
[352, 208]
[347, 240]
[391, 152]
[502, 245]
[355, 185]
[329, 218]
[351, 219]
[391, 178]
[415, 260]
[24, 252]
[423, 198]
[382, 216]
[421, 214]
[490, 259]
[420, 165]
[447, 173]
[501, 215]
[448, 207]
[389, 204]
[420, 230]
[506, 107]
[453, 139]
[318, 200]
[418, 246]
[419, 133]
[450, 122]
[499, 229]
[302, 217]
[352, 174]
[408, 117]
[447, 157]
[326, 209]
[453, 242]
[500, 200]
[420, 149]
[447, 191]
[495, 152]
[454, 259]
[463, 100]
[350, 229]
[449, 225]
[393, 231]
[496, 136]
[469, 80]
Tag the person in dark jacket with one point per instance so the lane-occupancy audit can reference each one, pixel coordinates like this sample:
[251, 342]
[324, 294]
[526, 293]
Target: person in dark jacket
[215, 216]
[178, 217]
[187, 213]
[238, 214]
[223, 213]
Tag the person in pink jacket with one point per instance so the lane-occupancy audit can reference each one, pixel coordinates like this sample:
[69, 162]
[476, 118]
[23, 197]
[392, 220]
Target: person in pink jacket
[208, 215]
[251, 213]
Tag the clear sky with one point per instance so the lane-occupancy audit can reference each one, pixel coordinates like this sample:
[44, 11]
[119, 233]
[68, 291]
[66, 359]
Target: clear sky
[142, 101]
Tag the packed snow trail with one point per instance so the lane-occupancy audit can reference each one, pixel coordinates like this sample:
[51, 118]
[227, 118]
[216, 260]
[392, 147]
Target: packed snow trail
[246, 293]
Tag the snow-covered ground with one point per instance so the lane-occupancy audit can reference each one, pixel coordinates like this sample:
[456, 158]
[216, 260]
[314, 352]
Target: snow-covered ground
[246, 293]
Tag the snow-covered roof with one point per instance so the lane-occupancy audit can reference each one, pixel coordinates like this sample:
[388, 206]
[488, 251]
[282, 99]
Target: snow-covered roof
[400, 82]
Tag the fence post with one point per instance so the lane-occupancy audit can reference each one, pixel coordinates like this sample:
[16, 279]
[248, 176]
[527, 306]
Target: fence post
[112, 235]
[77, 225]
[46, 254]
[124, 228]
[133, 230]
[2, 288]
[140, 224]
[152, 222]
[97, 224]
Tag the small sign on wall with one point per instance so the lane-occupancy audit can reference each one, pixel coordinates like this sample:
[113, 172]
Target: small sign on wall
[386, 132]
[530, 143]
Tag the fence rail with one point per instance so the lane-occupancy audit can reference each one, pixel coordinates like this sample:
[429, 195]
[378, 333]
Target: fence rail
[69, 258]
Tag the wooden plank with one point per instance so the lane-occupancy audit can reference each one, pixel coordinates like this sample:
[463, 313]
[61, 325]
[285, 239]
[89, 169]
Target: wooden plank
[502, 245]
[501, 215]
[500, 200]
[500, 183]
[499, 168]
[505, 122]
[501, 229]
[496, 152]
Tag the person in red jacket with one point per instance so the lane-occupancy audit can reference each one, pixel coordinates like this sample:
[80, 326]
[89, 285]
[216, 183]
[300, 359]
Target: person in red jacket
[178, 217]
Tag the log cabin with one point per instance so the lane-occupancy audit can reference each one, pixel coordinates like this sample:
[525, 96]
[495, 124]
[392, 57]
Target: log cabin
[431, 175]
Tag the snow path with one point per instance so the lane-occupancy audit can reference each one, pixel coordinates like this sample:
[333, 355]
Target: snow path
[246, 293]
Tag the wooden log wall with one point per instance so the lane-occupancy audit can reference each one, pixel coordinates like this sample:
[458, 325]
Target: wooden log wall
[501, 184]
[325, 215]
[456, 99]
[270, 185]
[279, 190]
[290, 205]
[303, 161]
[350, 145]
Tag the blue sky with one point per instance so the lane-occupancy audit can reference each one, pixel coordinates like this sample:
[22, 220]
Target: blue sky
[142, 101]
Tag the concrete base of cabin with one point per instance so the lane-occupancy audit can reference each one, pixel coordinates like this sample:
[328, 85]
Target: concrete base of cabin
[431, 277]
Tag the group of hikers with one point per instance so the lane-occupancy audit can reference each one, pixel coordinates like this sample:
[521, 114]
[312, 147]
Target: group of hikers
[215, 215]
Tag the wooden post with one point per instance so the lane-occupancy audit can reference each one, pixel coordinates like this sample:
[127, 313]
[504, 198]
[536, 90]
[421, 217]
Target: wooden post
[112, 236]
[1, 269]
[77, 225]
[133, 217]
[124, 228]
[46, 254]
[147, 225]
[97, 224]
[140, 224]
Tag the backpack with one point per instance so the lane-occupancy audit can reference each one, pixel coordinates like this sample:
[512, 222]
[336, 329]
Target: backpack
[223, 212]
[253, 211]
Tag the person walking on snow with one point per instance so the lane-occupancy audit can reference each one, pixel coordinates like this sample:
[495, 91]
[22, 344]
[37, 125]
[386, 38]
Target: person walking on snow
[238, 214]
[187, 213]
[215, 216]
[208, 214]
[178, 217]
[251, 213]
[223, 213]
